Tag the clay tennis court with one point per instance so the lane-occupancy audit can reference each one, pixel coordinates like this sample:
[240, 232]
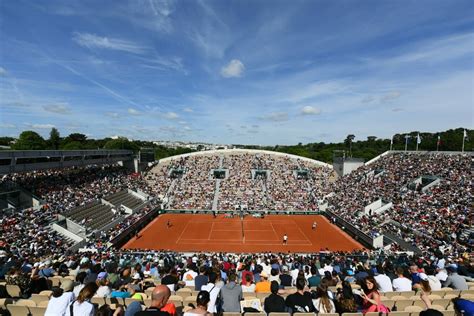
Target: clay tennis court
[190, 232]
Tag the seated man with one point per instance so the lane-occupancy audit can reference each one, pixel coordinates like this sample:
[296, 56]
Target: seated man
[301, 301]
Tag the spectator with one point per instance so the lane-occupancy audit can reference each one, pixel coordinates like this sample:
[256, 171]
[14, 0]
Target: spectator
[61, 298]
[301, 301]
[264, 285]
[231, 295]
[315, 279]
[345, 301]
[371, 297]
[401, 283]
[189, 275]
[82, 305]
[454, 280]
[322, 303]
[285, 277]
[274, 303]
[202, 300]
[214, 292]
[79, 279]
[201, 279]
[383, 280]
[103, 285]
[248, 286]
[159, 299]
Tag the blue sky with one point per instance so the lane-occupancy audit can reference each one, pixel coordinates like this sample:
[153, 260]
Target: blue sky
[253, 72]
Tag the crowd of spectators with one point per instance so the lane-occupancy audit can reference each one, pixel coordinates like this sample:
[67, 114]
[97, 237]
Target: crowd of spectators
[26, 231]
[320, 282]
[428, 219]
[253, 182]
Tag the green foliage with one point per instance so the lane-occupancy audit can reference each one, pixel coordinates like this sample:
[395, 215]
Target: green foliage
[163, 152]
[451, 140]
[6, 141]
[29, 140]
[121, 143]
[54, 139]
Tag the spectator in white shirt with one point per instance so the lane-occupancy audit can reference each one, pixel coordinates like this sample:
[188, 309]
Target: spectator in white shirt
[213, 292]
[401, 284]
[61, 299]
[384, 282]
[82, 305]
[189, 276]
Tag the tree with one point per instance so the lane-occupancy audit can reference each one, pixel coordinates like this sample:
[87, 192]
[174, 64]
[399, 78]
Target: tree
[54, 138]
[29, 140]
[76, 137]
[348, 142]
[371, 139]
[121, 143]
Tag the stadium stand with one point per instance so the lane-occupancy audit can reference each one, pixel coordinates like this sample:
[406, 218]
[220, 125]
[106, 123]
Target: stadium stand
[426, 202]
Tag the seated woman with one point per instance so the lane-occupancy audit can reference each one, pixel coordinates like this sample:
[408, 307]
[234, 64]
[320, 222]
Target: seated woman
[248, 286]
[323, 303]
[345, 300]
[371, 296]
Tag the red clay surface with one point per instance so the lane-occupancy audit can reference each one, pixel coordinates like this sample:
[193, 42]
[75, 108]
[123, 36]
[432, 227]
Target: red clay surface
[204, 233]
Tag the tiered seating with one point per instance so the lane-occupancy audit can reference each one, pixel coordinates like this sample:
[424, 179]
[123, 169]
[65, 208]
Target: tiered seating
[94, 215]
[124, 198]
[405, 303]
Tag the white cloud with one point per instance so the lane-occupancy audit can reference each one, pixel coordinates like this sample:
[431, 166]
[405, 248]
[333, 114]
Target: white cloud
[310, 110]
[3, 72]
[132, 111]
[163, 63]
[112, 114]
[40, 126]
[7, 126]
[93, 41]
[276, 117]
[188, 110]
[235, 68]
[59, 108]
[390, 96]
[170, 115]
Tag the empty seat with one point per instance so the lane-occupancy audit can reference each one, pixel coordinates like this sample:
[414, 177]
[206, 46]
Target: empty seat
[26, 303]
[413, 309]
[37, 311]
[18, 310]
[13, 290]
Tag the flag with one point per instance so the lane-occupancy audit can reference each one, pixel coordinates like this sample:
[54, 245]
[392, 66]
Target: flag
[465, 134]
[391, 141]
[439, 141]
[418, 139]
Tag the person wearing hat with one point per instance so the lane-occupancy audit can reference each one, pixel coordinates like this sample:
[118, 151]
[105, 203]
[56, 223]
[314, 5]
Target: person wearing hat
[202, 300]
[285, 278]
[274, 303]
[264, 285]
[61, 298]
[103, 283]
[454, 280]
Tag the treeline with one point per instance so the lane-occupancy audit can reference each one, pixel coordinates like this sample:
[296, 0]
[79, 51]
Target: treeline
[30, 140]
[450, 140]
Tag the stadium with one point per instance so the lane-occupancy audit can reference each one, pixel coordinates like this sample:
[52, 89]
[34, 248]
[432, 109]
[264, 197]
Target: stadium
[233, 207]
[236, 158]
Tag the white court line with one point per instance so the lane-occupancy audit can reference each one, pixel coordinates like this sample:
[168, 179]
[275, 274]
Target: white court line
[210, 231]
[274, 231]
[239, 242]
[304, 234]
[181, 235]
